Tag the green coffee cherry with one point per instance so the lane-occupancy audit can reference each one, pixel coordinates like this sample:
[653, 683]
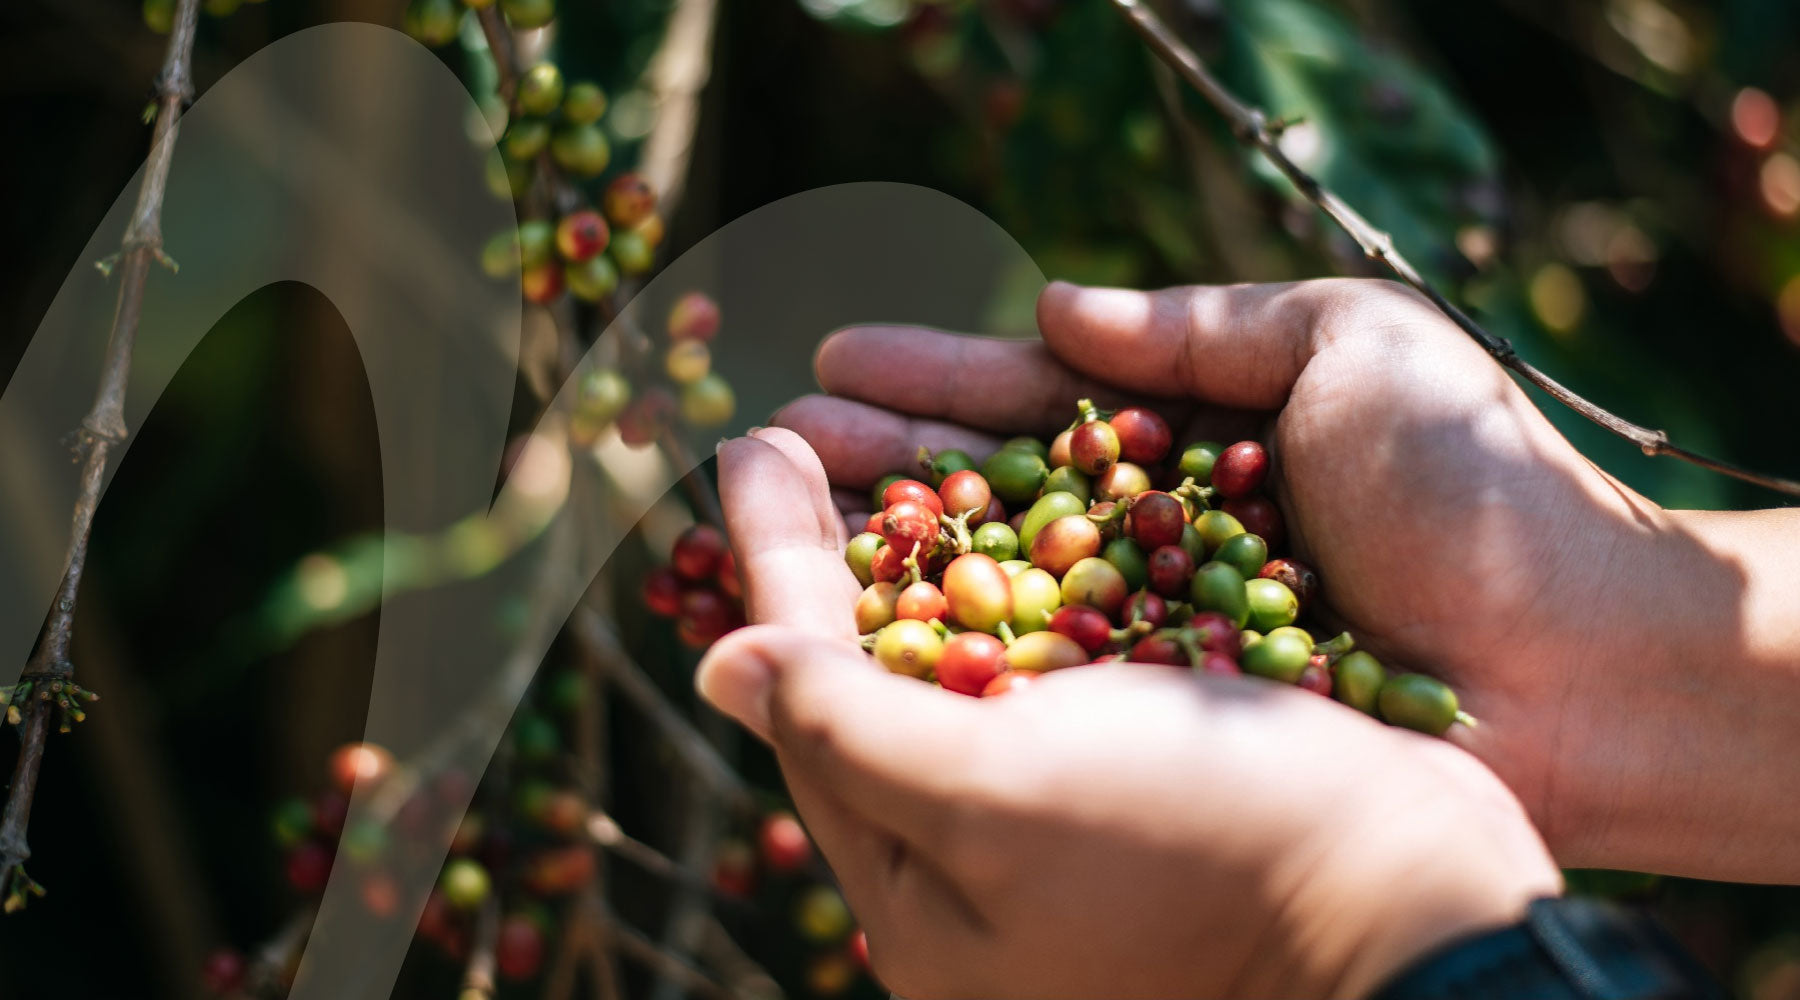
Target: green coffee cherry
[500, 255]
[708, 402]
[1030, 444]
[540, 89]
[859, 553]
[1128, 558]
[946, 462]
[1048, 508]
[581, 150]
[1193, 544]
[525, 139]
[1272, 604]
[527, 14]
[1197, 460]
[1035, 595]
[602, 396]
[1246, 553]
[1068, 479]
[1358, 681]
[1281, 655]
[632, 252]
[537, 242]
[1215, 526]
[881, 485]
[1219, 587]
[997, 540]
[592, 279]
[159, 16]
[585, 103]
[1015, 475]
[1416, 701]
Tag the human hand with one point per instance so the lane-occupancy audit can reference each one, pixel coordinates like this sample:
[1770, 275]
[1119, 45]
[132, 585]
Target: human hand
[1119, 830]
[1456, 531]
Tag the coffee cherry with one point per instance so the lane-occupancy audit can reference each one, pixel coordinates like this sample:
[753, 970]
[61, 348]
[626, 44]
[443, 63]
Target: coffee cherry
[1007, 680]
[500, 256]
[293, 822]
[1144, 437]
[629, 200]
[822, 916]
[697, 552]
[1086, 625]
[1272, 605]
[783, 842]
[585, 103]
[859, 553]
[359, 762]
[1295, 575]
[921, 601]
[1158, 649]
[1015, 475]
[1030, 444]
[223, 971]
[995, 540]
[1048, 508]
[560, 871]
[365, 842]
[527, 14]
[903, 490]
[708, 402]
[888, 565]
[1197, 461]
[1316, 677]
[830, 975]
[1216, 633]
[1281, 655]
[432, 22]
[705, 617]
[437, 920]
[969, 662]
[1359, 680]
[1097, 584]
[540, 89]
[537, 243]
[582, 150]
[687, 361]
[909, 647]
[1218, 664]
[329, 811]
[1193, 544]
[1241, 469]
[1259, 516]
[508, 179]
[159, 16]
[309, 867]
[946, 463]
[858, 950]
[525, 139]
[910, 524]
[662, 592]
[603, 394]
[965, 492]
[1094, 447]
[593, 279]
[542, 285]
[876, 607]
[519, 951]
[1035, 594]
[1068, 479]
[1126, 557]
[581, 235]
[1219, 587]
[1059, 453]
[1169, 570]
[1215, 526]
[1147, 607]
[978, 592]
[1064, 542]
[1122, 480]
[1041, 652]
[734, 869]
[1418, 702]
[1156, 519]
[695, 316]
[380, 895]
[1245, 553]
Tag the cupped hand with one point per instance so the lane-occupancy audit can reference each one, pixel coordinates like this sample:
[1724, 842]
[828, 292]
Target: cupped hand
[1456, 531]
[1120, 830]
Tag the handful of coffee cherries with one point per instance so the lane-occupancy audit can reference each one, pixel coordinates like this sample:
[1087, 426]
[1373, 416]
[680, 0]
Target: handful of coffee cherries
[1056, 555]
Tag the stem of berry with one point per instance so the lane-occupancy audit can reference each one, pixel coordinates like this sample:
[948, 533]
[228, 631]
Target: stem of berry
[1336, 647]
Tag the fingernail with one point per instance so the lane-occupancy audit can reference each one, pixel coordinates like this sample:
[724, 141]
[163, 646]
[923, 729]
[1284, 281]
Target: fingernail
[737, 681]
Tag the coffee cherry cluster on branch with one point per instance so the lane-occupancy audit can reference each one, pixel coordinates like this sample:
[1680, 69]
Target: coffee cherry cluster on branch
[159, 15]
[644, 400]
[1055, 555]
[699, 588]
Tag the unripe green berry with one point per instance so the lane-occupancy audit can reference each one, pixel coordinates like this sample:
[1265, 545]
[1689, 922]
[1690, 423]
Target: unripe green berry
[527, 14]
[584, 104]
[581, 149]
[708, 402]
[432, 22]
[540, 89]
[633, 255]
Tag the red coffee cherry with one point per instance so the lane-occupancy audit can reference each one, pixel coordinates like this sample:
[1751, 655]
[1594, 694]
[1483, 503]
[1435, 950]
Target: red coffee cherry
[909, 524]
[728, 579]
[784, 843]
[1240, 469]
[888, 564]
[1217, 633]
[309, 867]
[1316, 676]
[224, 971]
[694, 317]
[705, 617]
[1259, 516]
[1146, 606]
[970, 661]
[662, 592]
[1144, 437]
[1158, 649]
[1007, 680]
[1094, 447]
[698, 552]
[1295, 575]
[647, 417]
[541, 285]
[560, 871]
[1156, 519]
[1171, 568]
[912, 489]
[965, 492]
[581, 235]
[922, 601]
[1219, 664]
[354, 762]
[1087, 626]
[1064, 542]
[519, 951]
[629, 200]
[734, 868]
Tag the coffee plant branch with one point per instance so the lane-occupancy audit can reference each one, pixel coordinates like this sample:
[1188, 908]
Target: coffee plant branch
[1254, 128]
[47, 684]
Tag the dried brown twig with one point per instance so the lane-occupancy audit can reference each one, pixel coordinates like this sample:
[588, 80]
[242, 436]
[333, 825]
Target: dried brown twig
[1254, 128]
[48, 684]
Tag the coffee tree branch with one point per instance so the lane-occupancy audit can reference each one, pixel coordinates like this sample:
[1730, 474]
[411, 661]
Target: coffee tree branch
[1254, 128]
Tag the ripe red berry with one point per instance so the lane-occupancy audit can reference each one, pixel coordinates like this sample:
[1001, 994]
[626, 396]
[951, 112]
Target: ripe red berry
[1158, 649]
[309, 867]
[784, 844]
[1259, 516]
[380, 895]
[662, 592]
[874, 522]
[969, 662]
[909, 524]
[437, 921]
[859, 949]
[223, 972]
[923, 601]
[541, 285]
[1316, 677]
[698, 552]
[1007, 680]
[1171, 568]
[519, 952]
[734, 868]
[996, 511]
[1219, 664]
[694, 317]
[1156, 519]
[912, 489]
[1295, 575]
[629, 200]
[1217, 633]
[1240, 469]
[1087, 626]
[1064, 542]
[581, 235]
[647, 416]
[1144, 437]
[354, 762]
[888, 565]
[965, 492]
[1146, 606]
[560, 870]
[729, 581]
[1094, 447]
[705, 616]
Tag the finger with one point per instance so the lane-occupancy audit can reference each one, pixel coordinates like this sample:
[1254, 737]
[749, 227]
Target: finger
[818, 488]
[792, 564]
[1237, 345]
[908, 757]
[859, 443]
[1003, 386]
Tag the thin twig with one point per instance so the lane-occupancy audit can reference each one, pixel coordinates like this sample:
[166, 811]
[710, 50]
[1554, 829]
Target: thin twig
[269, 966]
[605, 832]
[633, 944]
[1254, 128]
[741, 972]
[50, 668]
[478, 975]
